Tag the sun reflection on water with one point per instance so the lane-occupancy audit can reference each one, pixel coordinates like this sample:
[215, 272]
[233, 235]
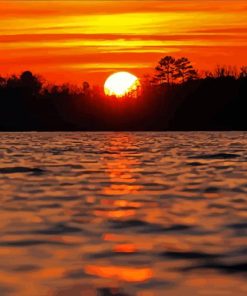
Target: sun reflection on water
[113, 216]
[123, 273]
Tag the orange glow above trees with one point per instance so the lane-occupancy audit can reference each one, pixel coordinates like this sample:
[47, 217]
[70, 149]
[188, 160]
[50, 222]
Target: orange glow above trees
[87, 40]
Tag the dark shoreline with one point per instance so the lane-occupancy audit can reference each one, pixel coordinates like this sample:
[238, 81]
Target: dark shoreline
[203, 104]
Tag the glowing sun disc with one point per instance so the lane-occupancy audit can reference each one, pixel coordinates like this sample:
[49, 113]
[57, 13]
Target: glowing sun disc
[120, 84]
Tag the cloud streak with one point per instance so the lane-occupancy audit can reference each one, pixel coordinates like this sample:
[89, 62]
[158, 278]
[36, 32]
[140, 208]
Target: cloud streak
[73, 36]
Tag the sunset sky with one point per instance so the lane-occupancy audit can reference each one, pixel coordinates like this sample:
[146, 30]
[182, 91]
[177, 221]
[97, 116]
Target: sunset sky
[88, 40]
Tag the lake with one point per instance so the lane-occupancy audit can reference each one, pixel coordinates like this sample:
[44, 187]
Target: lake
[123, 214]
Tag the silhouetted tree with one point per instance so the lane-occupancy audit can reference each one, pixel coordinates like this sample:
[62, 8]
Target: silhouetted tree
[217, 101]
[166, 70]
[12, 82]
[2, 81]
[85, 86]
[30, 82]
[146, 83]
[86, 89]
[171, 70]
[184, 70]
[243, 72]
[225, 71]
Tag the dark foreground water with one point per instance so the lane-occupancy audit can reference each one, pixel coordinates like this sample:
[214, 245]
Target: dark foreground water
[119, 214]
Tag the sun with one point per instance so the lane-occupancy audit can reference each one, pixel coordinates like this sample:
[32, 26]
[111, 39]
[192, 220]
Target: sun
[121, 84]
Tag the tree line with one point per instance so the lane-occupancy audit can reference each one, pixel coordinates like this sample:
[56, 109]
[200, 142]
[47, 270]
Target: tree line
[176, 97]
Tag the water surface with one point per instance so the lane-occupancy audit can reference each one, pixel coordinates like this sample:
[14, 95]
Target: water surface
[137, 214]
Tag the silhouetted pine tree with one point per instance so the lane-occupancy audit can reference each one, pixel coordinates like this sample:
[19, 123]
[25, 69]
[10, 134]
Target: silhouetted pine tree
[184, 70]
[166, 70]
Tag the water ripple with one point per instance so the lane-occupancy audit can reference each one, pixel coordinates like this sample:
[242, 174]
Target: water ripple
[123, 214]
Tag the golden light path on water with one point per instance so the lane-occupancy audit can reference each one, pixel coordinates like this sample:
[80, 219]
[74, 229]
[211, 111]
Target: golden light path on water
[133, 213]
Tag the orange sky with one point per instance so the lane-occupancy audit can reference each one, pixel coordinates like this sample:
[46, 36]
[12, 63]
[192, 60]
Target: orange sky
[88, 40]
